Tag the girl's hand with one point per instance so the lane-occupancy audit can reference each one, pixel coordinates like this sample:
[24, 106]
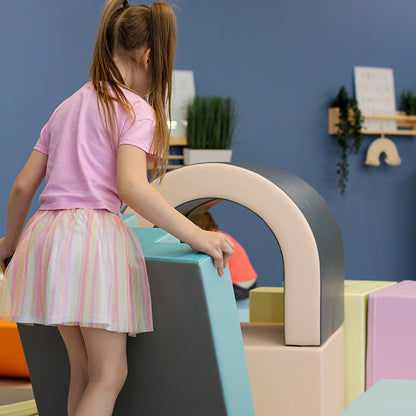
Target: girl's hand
[5, 252]
[216, 245]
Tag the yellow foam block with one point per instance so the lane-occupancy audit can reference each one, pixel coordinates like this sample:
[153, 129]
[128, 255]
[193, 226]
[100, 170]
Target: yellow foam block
[355, 325]
[293, 380]
[266, 305]
[12, 358]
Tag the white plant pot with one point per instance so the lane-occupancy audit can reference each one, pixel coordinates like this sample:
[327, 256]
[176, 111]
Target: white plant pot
[192, 156]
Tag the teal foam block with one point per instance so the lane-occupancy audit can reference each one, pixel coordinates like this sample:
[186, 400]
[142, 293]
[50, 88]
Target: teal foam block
[130, 220]
[192, 364]
[193, 288]
[243, 307]
[386, 398]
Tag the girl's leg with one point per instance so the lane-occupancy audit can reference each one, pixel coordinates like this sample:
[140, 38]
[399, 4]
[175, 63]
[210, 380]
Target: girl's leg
[77, 354]
[107, 370]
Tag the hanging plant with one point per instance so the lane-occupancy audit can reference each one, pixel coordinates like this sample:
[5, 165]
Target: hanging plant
[349, 133]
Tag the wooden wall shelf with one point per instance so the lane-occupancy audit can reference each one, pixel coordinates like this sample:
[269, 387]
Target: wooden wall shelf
[406, 125]
[177, 142]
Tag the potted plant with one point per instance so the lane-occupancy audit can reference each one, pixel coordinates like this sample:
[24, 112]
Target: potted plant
[408, 103]
[348, 131]
[211, 124]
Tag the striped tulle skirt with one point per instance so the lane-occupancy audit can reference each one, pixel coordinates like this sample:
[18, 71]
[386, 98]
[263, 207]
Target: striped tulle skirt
[79, 267]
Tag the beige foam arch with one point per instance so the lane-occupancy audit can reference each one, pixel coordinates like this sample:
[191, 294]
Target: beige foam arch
[285, 220]
[379, 146]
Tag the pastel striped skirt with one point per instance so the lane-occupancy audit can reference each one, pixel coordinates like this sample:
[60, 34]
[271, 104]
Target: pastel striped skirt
[79, 267]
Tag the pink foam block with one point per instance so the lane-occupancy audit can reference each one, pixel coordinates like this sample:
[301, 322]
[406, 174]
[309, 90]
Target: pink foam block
[391, 336]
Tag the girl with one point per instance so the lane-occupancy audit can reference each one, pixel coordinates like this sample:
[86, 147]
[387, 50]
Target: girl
[77, 266]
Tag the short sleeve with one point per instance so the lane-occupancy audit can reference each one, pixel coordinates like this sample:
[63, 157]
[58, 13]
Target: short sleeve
[42, 145]
[140, 133]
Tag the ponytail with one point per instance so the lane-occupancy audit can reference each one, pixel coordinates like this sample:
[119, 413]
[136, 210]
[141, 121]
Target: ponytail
[162, 42]
[104, 73]
[124, 29]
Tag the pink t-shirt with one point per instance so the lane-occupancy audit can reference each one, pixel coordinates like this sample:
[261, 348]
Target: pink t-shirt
[81, 167]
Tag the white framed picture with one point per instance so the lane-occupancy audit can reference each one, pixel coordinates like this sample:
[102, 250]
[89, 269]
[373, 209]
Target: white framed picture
[183, 90]
[374, 91]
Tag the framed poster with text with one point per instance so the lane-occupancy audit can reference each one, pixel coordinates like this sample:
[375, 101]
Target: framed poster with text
[183, 90]
[374, 91]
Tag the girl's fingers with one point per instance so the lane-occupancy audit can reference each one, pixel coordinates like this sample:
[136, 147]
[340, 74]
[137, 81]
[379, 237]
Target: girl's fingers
[217, 245]
[222, 256]
[227, 254]
[217, 257]
[230, 243]
[219, 265]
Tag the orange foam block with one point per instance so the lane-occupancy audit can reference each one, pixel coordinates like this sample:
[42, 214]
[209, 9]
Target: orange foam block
[12, 358]
[292, 380]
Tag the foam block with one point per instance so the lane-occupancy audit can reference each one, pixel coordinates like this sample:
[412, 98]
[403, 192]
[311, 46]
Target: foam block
[192, 364]
[305, 228]
[12, 358]
[130, 220]
[391, 343]
[266, 305]
[355, 326]
[386, 398]
[292, 380]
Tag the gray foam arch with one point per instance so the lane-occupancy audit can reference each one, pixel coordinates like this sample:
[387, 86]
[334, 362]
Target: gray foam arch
[302, 223]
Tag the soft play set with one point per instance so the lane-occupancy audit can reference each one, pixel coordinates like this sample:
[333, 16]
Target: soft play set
[311, 348]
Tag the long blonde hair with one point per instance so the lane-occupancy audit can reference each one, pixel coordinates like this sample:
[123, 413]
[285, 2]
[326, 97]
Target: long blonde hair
[124, 29]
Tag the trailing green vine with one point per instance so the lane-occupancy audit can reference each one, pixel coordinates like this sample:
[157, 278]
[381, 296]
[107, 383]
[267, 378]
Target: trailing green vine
[349, 133]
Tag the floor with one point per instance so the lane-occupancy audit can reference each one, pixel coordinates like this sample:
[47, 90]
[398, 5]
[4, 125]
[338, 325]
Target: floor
[19, 393]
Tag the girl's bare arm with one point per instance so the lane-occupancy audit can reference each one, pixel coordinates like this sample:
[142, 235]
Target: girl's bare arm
[135, 190]
[24, 187]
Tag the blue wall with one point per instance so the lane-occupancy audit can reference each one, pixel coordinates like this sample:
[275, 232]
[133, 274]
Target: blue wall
[282, 61]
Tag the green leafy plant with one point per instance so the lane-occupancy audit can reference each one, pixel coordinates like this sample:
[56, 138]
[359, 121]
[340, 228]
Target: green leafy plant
[211, 122]
[349, 133]
[408, 103]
